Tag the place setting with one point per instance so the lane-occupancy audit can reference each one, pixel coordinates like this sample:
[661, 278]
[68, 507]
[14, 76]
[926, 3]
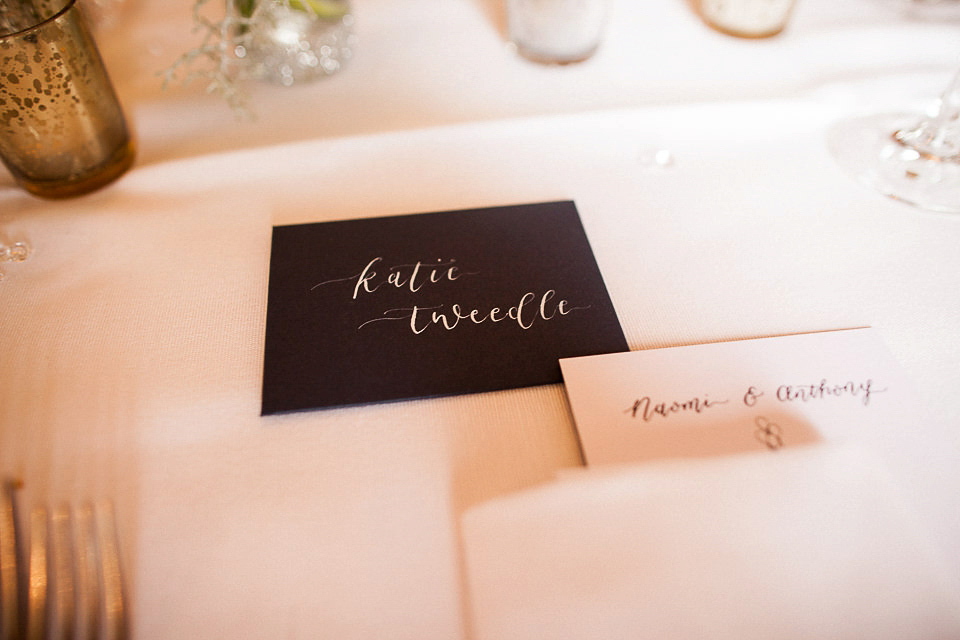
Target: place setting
[640, 342]
[685, 448]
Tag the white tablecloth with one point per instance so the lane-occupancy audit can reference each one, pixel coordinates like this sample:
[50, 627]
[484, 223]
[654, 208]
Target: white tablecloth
[131, 341]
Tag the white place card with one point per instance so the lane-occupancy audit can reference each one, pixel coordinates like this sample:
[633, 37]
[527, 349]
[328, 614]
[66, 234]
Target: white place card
[735, 397]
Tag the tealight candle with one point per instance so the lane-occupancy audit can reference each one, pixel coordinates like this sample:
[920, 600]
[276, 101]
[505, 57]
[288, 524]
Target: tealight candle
[556, 31]
[747, 18]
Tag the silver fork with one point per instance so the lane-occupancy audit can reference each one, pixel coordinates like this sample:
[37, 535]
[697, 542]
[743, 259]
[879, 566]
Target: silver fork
[66, 582]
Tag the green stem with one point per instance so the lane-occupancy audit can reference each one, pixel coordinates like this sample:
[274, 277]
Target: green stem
[246, 7]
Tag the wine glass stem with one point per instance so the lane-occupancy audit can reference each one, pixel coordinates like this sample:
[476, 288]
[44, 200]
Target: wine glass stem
[938, 137]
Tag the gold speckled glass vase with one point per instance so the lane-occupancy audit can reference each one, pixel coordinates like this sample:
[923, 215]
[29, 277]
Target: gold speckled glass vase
[62, 130]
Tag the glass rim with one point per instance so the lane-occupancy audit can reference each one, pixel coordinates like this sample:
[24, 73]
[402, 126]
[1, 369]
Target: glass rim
[66, 7]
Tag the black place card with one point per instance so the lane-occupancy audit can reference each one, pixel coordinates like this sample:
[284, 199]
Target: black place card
[430, 304]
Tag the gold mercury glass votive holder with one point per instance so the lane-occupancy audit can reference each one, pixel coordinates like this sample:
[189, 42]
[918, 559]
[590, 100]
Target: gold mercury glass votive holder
[62, 129]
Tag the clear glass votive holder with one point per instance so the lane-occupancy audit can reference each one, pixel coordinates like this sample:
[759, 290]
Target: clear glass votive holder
[747, 18]
[557, 31]
[62, 130]
[292, 41]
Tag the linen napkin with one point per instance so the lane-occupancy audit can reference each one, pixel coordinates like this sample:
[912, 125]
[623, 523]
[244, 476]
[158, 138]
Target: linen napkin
[812, 542]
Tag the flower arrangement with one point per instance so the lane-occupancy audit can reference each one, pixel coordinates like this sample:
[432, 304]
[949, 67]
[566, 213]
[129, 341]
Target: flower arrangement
[222, 58]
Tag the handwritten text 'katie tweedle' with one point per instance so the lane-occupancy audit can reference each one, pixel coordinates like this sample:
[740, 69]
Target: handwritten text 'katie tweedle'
[531, 308]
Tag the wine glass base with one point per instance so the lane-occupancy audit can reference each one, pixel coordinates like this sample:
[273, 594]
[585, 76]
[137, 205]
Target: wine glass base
[867, 149]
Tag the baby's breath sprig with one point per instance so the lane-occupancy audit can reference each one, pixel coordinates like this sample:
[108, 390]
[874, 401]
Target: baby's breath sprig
[213, 59]
[227, 40]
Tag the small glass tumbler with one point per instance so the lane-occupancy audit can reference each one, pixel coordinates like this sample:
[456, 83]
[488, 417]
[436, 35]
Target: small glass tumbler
[62, 130]
[557, 31]
[747, 18]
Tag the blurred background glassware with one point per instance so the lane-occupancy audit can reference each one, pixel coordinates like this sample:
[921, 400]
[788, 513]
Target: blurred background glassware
[746, 18]
[291, 41]
[62, 129]
[909, 157]
[557, 31]
[927, 10]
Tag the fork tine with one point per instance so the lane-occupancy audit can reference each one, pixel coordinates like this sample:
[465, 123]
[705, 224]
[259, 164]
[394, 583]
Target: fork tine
[61, 575]
[87, 572]
[9, 596]
[111, 579]
[37, 578]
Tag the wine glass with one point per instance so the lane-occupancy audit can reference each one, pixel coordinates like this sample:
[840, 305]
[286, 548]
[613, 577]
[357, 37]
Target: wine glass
[912, 158]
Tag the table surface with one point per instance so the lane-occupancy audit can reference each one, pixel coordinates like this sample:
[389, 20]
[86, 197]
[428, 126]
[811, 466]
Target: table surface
[132, 338]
